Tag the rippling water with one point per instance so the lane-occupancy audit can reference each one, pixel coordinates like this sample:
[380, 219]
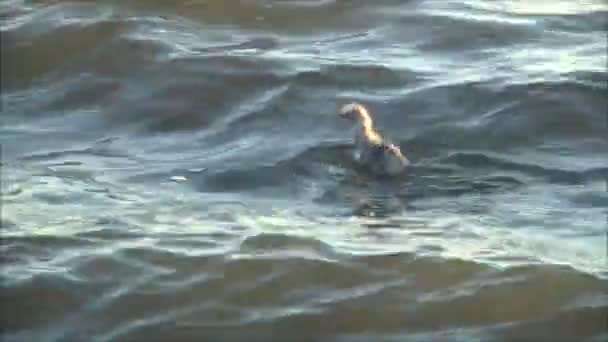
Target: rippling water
[176, 171]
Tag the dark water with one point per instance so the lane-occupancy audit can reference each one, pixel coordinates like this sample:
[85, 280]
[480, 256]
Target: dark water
[176, 171]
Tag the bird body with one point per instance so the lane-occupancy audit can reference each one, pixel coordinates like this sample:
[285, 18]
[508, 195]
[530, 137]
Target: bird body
[371, 150]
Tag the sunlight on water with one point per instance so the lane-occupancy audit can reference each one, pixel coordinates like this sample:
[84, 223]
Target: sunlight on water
[552, 7]
[178, 171]
[558, 60]
[451, 236]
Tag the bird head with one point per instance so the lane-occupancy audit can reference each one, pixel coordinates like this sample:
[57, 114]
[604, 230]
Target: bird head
[356, 112]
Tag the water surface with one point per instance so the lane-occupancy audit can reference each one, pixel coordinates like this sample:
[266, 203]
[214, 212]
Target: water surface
[177, 171]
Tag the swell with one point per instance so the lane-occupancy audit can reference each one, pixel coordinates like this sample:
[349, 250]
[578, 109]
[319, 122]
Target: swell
[280, 283]
[135, 92]
[30, 51]
[311, 163]
[530, 112]
[253, 113]
[433, 30]
[359, 77]
[495, 116]
[550, 175]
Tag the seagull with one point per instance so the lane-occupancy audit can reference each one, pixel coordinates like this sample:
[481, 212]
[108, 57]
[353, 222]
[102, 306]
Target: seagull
[371, 150]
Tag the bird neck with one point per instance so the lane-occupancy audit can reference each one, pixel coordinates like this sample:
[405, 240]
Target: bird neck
[368, 132]
[365, 120]
[367, 123]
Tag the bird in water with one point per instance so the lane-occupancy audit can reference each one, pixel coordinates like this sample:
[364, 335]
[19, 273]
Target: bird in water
[371, 150]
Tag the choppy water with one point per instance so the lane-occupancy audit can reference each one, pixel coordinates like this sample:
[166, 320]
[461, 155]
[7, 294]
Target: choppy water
[176, 171]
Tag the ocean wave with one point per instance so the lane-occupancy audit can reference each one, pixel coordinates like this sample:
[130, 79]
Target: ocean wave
[178, 171]
[552, 175]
